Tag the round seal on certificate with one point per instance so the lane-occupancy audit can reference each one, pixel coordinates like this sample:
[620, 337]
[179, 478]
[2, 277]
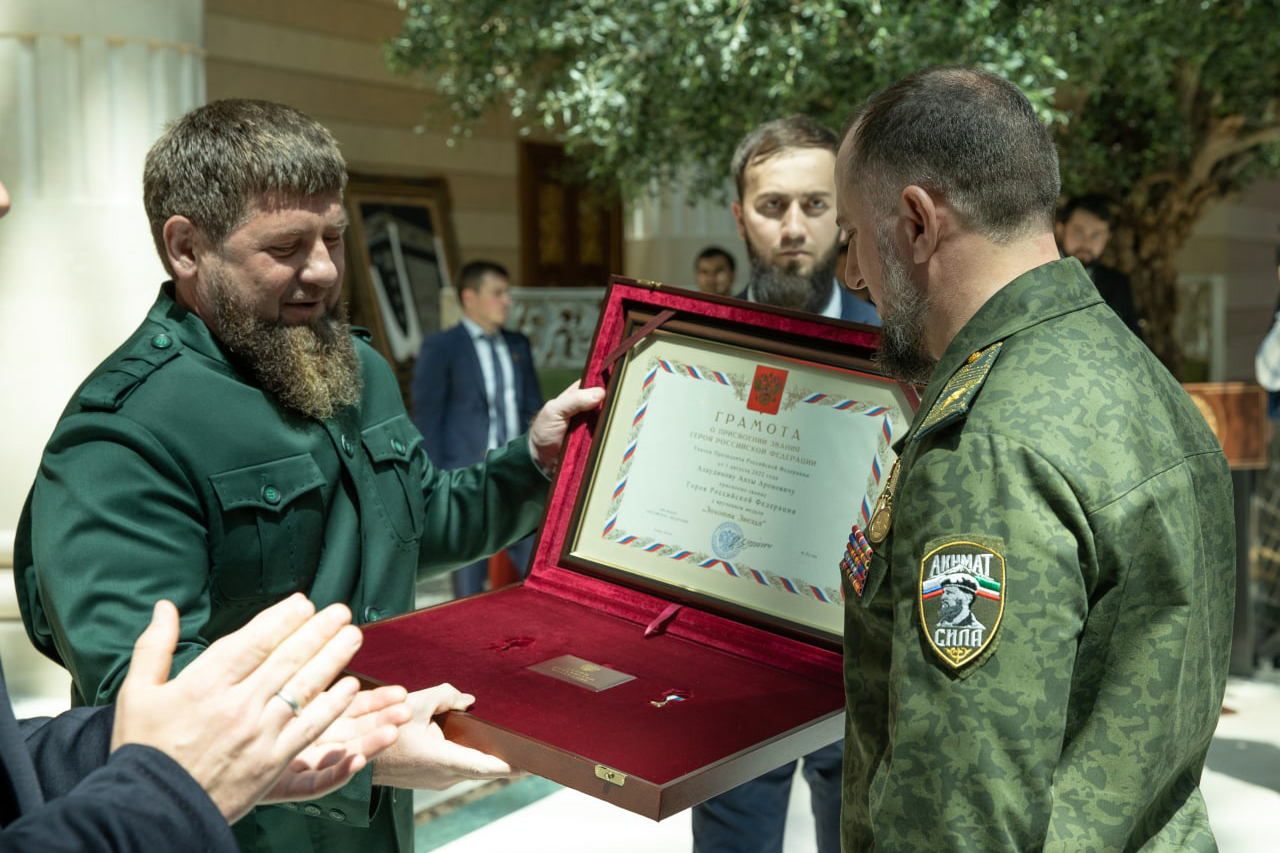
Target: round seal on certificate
[727, 541]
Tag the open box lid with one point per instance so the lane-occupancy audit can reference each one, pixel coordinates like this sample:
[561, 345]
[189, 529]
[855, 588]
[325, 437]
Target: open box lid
[655, 656]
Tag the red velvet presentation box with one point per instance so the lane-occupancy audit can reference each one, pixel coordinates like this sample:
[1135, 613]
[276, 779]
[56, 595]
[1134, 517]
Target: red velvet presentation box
[667, 644]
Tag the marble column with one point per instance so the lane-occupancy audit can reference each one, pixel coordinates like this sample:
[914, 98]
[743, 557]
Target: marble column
[85, 88]
[665, 230]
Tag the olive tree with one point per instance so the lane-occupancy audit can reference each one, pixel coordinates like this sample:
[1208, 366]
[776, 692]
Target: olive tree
[1166, 105]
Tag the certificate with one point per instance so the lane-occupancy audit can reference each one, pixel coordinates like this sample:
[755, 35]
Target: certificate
[736, 474]
[688, 559]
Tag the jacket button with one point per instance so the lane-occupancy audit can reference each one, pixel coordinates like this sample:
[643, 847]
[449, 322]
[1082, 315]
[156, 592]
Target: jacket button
[397, 445]
[162, 342]
[271, 495]
[336, 814]
[347, 447]
[372, 614]
[311, 809]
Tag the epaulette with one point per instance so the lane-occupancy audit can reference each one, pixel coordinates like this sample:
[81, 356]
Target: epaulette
[953, 403]
[107, 391]
[362, 333]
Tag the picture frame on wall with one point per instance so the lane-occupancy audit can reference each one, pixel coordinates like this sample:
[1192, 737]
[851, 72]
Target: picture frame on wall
[401, 254]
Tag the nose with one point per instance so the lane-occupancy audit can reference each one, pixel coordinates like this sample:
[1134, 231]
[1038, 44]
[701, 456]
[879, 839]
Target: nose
[324, 264]
[793, 224]
[852, 273]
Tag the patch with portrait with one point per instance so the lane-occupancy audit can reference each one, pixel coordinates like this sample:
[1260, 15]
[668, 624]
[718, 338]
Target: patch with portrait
[962, 588]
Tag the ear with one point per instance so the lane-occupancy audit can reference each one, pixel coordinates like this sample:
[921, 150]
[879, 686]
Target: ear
[180, 239]
[737, 217]
[922, 222]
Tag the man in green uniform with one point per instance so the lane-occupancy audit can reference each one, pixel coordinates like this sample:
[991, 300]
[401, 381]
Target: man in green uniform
[242, 445]
[1072, 707]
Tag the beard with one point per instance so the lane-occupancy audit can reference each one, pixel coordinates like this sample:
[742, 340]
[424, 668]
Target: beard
[312, 368]
[787, 288]
[903, 354]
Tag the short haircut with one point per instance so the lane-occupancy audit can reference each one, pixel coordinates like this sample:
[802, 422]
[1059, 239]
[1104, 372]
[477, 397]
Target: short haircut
[1098, 204]
[774, 137]
[716, 252]
[967, 135]
[220, 161]
[473, 274]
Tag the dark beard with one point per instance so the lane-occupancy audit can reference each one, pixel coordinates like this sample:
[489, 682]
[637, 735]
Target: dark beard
[312, 369]
[903, 354]
[788, 289]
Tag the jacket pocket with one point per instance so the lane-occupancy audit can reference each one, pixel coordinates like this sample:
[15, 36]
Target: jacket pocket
[395, 461]
[267, 539]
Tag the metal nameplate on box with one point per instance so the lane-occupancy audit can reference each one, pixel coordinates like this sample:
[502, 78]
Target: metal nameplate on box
[583, 673]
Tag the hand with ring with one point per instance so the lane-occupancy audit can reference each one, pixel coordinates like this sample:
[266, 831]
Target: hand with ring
[258, 715]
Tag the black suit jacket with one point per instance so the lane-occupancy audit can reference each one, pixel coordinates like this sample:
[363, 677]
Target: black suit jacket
[449, 403]
[59, 790]
[1115, 290]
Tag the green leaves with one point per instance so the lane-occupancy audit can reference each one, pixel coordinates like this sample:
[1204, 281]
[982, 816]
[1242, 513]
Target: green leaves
[641, 89]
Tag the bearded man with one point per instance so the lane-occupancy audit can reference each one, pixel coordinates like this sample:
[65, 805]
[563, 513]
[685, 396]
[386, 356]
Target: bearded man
[786, 214]
[244, 444]
[1073, 707]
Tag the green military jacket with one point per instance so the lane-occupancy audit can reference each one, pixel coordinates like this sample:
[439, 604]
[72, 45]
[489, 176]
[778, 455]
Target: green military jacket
[1038, 657]
[172, 475]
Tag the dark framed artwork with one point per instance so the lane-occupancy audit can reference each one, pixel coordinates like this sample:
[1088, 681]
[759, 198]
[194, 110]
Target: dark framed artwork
[401, 252]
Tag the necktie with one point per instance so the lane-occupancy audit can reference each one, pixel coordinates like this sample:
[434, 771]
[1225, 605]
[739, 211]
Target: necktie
[499, 393]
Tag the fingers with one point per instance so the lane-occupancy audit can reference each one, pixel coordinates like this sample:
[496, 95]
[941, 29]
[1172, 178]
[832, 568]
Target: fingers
[316, 716]
[456, 763]
[310, 658]
[436, 700]
[575, 399]
[153, 652]
[237, 655]
[375, 741]
[378, 699]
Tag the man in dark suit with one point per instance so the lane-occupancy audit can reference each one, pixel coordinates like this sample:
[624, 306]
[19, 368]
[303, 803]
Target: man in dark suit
[474, 387]
[786, 214]
[1083, 230]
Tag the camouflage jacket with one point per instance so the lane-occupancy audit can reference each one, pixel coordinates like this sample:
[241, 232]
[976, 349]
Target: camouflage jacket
[1039, 654]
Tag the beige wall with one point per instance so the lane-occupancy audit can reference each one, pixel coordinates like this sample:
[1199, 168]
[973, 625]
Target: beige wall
[1237, 239]
[326, 57]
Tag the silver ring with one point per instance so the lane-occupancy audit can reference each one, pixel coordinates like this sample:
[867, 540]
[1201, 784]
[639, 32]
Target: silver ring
[289, 700]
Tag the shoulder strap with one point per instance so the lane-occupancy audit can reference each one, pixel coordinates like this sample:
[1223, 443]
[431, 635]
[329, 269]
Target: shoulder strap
[956, 397]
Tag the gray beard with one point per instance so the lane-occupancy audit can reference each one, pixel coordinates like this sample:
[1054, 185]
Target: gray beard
[903, 354]
[313, 369]
[788, 289]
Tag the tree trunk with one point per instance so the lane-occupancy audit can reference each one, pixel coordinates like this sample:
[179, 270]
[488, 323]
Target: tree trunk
[1146, 251]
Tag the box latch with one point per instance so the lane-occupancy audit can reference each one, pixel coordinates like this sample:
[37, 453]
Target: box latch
[608, 774]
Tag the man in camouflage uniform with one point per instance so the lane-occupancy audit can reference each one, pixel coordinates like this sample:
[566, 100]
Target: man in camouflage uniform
[1055, 472]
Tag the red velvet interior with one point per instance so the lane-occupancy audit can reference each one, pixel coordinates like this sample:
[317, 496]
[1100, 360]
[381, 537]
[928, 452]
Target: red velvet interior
[484, 644]
[746, 684]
